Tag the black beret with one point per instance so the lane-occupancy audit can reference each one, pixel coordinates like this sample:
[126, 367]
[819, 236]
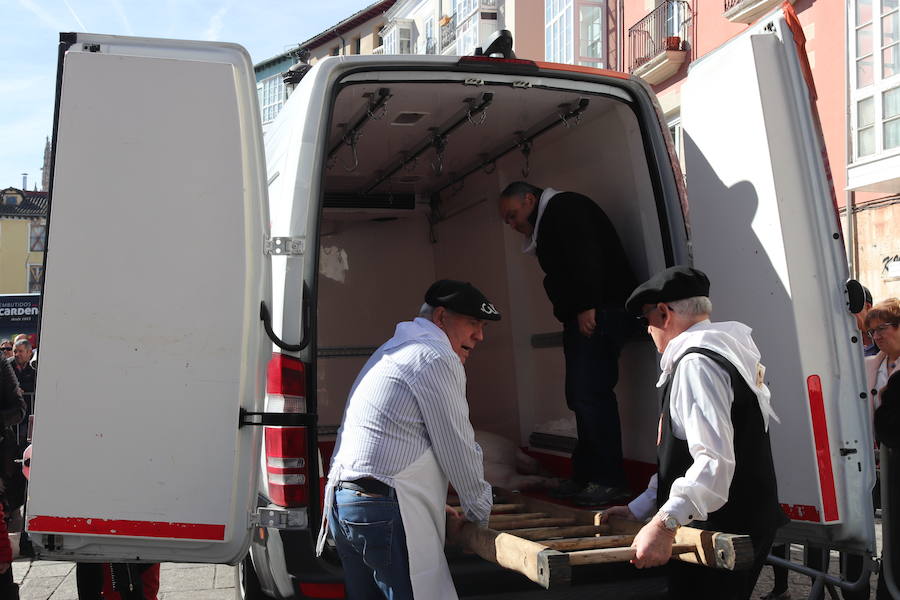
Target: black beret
[867, 294]
[461, 297]
[675, 283]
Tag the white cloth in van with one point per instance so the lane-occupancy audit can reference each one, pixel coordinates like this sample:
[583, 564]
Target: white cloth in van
[700, 407]
[529, 246]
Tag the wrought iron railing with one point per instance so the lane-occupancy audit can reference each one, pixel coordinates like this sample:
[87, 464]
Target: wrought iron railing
[448, 32]
[668, 27]
[729, 4]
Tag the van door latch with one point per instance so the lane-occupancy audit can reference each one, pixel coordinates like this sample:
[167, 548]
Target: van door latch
[277, 419]
[846, 451]
[284, 246]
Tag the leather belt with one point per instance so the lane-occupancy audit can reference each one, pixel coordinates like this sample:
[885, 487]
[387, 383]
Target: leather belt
[368, 485]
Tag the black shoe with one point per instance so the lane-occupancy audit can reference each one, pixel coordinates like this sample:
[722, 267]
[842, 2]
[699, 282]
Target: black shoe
[595, 494]
[567, 489]
[26, 548]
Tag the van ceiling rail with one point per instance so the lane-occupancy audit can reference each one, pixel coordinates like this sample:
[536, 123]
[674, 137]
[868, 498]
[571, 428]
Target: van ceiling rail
[437, 137]
[374, 103]
[566, 115]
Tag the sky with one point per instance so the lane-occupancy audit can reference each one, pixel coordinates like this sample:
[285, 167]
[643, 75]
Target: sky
[28, 54]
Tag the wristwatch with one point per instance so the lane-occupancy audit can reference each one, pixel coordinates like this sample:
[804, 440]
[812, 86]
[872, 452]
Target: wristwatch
[668, 521]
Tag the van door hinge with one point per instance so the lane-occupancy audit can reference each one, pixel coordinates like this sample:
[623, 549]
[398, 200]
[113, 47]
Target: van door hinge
[279, 518]
[474, 81]
[284, 246]
[521, 84]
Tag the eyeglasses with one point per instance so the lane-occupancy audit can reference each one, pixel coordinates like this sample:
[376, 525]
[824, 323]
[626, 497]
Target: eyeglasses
[876, 330]
[643, 320]
[7, 348]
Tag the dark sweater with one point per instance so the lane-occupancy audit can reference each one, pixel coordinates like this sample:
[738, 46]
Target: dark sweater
[580, 252]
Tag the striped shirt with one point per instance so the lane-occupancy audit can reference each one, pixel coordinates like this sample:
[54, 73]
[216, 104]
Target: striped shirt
[411, 396]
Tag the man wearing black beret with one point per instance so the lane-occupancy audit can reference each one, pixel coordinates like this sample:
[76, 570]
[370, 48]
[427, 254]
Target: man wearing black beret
[715, 467]
[406, 433]
[587, 278]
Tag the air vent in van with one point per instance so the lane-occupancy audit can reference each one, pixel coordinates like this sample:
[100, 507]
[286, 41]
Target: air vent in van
[408, 118]
[395, 201]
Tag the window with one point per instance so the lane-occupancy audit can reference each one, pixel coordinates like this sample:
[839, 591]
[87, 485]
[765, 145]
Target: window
[591, 25]
[336, 51]
[35, 278]
[430, 37]
[467, 36]
[357, 46]
[405, 37]
[559, 43]
[464, 9]
[37, 237]
[271, 97]
[875, 77]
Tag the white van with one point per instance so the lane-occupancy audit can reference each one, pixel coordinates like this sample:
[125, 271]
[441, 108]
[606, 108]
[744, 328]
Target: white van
[195, 288]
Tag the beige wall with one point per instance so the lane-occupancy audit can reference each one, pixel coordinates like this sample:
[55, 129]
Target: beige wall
[15, 256]
[365, 32]
[879, 241]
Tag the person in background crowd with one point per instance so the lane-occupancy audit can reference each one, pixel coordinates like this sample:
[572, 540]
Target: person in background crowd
[6, 349]
[12, 411]
[869, 346]
[715, 468]
[587, 278]
[887, 432]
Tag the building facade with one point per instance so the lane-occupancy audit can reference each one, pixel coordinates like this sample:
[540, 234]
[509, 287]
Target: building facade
[23, 240]
[853, 49]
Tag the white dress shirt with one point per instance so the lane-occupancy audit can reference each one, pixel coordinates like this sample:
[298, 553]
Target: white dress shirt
[411, 395]
[700, 408]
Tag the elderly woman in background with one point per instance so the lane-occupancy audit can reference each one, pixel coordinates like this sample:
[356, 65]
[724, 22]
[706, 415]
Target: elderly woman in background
[882, 323]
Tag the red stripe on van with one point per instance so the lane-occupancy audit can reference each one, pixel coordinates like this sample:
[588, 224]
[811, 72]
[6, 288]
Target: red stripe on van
[823, 448]
[155, 529]
[801, 512]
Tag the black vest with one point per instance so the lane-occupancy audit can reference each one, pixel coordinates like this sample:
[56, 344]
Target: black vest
[752, 507]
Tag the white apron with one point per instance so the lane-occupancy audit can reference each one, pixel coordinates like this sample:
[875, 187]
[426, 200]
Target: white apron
[422, 495]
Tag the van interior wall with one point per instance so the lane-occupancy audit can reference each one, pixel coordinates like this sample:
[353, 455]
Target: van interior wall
[373, 274]
[523, 386]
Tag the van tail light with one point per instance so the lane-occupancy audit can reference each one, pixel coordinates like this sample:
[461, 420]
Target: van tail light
[287, 460]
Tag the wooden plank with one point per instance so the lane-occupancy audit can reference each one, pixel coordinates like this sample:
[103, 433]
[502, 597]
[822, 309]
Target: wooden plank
[497, 509]
[589, 543]
[716, 549]
[546, 533]
[498, 521]
[541, 565]
[531, 523]
[606, 555]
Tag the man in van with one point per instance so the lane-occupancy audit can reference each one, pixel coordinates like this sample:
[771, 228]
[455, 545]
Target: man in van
[406, 432]
[587, 278]
[715, 467]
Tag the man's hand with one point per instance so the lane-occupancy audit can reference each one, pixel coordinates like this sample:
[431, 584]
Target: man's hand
[587, 322]
[622, 512]
[454, 525]
[653, 544]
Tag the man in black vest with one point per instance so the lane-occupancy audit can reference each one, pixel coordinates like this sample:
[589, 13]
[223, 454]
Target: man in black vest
[587, 280]
[715, 463]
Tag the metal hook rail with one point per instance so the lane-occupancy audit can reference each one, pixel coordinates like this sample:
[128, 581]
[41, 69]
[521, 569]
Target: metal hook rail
[566, 113]
[440, 133]
[374, 102]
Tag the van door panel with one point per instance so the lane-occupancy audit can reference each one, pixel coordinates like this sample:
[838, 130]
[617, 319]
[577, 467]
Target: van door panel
[764, 228]
[150, 338]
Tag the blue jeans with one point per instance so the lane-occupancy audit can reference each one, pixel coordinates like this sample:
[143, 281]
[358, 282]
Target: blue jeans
[371, 542]
[592, 371]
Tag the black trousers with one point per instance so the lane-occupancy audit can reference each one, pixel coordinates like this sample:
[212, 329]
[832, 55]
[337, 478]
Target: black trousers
[592, 370]
[693, 582]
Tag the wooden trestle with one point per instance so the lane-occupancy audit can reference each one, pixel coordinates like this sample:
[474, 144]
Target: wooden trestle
[543, 541]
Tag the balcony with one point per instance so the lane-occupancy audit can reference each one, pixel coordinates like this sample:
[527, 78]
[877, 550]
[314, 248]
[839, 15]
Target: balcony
[748, 11]
[448, 32]
[661, 41]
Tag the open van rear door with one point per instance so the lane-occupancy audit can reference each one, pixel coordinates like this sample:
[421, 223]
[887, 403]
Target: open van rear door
[765, 228]
[151, 343]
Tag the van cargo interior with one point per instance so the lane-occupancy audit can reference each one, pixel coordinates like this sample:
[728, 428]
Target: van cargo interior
[413, 175]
